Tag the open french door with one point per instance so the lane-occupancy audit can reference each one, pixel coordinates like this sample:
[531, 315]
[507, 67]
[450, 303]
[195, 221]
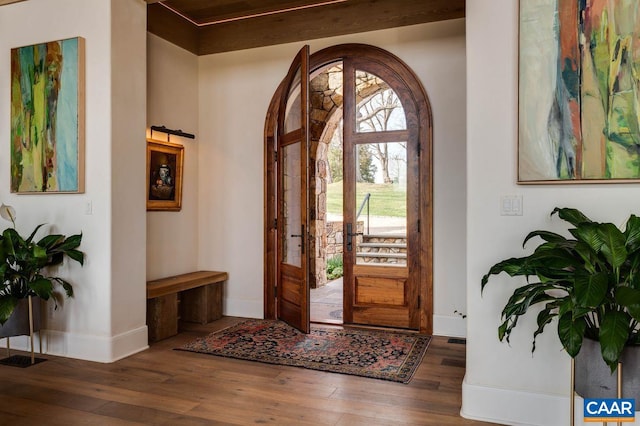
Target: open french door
[381, 289]
[293, 196]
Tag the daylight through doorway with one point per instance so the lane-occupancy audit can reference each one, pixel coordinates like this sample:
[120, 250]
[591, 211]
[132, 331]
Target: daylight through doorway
[326, 94]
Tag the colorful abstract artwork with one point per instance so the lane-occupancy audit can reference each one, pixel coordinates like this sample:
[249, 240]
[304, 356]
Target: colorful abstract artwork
[579, 91]
[47, 117]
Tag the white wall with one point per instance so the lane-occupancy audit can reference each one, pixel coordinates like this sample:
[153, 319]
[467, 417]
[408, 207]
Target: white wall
[172, 237]
[505, 383]
[234, 93]
[84, 327]
[128, 176]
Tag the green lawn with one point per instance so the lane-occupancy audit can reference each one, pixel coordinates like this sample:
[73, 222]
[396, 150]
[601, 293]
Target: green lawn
[386, 199]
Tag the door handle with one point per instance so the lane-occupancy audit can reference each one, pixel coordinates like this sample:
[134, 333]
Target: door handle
[350, 235]
[301, 236]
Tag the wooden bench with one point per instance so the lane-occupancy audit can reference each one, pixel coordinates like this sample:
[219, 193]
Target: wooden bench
[192, 297]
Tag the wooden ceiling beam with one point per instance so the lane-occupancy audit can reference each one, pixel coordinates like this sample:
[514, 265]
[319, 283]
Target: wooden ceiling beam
[353, 16]
[5, 2]
[206, 12]
[171, 27]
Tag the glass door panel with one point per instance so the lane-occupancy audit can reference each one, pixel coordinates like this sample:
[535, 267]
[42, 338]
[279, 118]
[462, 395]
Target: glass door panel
[381, 204]
[292, 237]
[293, 107]
[379, 108]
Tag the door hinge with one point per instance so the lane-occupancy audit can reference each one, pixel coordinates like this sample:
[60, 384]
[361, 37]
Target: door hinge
[275, 224]
[419, 302]
[418, 225]
[275, 156]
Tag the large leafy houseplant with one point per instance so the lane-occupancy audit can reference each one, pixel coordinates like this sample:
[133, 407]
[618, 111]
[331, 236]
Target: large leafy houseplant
[590, 283]
[23, 261]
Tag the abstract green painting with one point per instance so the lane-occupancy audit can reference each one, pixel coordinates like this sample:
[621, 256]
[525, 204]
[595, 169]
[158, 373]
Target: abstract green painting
[579, 91]
[47, 117]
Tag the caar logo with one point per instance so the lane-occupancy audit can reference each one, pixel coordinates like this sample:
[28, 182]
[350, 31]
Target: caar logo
[609, 410]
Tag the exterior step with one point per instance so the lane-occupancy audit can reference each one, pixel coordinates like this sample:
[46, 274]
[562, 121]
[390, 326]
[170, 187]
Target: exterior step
[384, 245]
[385, 236]
[383, 255]
[383, 249]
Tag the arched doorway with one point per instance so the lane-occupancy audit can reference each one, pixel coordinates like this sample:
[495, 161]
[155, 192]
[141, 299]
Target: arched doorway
[391, 285]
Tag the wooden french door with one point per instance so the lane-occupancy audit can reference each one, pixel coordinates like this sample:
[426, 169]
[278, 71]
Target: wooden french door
[392, 293]
[292, 213]
[381, 260]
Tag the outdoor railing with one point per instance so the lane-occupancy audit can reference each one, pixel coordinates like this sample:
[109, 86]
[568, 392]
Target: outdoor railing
[364, 201]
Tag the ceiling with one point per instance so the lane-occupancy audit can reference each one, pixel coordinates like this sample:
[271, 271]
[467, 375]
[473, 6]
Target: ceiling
[213, 26]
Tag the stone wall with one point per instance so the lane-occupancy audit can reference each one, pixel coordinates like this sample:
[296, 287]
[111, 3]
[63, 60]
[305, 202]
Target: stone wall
[326, 100]
[330, 243]
[335, 238]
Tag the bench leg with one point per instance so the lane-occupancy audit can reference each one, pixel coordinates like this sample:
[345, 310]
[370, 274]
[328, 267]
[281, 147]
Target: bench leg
[201, 305]
[162, 317]
[214, 301]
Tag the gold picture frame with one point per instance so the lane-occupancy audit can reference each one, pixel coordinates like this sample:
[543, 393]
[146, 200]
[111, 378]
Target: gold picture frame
[164, 175]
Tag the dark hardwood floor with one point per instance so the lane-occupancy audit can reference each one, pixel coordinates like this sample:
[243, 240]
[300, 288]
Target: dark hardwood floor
[161, 386]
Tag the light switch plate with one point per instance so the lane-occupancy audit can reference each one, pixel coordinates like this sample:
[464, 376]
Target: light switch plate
[511, 205]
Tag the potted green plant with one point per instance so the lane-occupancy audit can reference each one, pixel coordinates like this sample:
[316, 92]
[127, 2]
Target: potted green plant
[23, 263]
[591, 284]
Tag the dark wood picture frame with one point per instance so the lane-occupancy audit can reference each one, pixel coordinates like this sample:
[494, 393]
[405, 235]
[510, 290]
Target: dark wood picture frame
[164, 175]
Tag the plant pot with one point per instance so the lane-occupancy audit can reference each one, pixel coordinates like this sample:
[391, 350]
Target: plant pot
[18, 322]
[594, 378]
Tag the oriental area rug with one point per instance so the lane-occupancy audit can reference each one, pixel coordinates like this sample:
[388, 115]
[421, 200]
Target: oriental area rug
[385, 355]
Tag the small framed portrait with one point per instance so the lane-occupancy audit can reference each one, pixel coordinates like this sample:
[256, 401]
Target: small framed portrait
[164, 175]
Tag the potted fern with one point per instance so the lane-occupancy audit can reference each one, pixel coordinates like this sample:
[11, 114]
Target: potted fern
[23, 262]
[591, 284]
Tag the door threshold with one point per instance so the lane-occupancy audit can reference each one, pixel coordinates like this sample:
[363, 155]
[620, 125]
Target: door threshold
[382, 328]
[327, 321]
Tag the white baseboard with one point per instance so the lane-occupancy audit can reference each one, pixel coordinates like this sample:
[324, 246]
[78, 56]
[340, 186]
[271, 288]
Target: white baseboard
[21, 343]
[129, 343]
[451, 326]
[84, 346]
[513, 407]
